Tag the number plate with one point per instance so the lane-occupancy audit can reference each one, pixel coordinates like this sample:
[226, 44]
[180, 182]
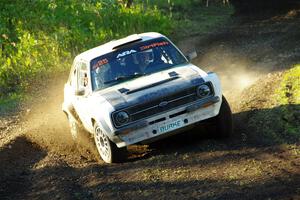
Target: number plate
[171, 126]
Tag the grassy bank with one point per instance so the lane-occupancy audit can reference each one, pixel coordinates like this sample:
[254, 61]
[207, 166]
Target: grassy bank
[279, 121]
[288, 97]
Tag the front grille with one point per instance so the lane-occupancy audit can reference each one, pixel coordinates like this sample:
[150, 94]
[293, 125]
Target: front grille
[181, 98]
[145, 110]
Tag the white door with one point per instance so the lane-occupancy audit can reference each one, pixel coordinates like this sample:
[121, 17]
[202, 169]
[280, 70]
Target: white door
[81, 104]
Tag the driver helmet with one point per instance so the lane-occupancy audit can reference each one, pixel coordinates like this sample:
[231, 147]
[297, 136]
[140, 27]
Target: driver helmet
[144, 58]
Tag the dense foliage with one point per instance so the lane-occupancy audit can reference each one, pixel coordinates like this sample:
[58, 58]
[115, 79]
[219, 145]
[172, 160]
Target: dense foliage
[289, 91]
[41, 36]
[288, 97]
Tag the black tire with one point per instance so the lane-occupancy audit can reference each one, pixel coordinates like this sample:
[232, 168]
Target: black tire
[223, 121]
[108, 151]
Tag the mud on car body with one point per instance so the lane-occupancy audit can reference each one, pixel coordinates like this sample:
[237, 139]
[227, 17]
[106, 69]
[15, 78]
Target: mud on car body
[140, 89]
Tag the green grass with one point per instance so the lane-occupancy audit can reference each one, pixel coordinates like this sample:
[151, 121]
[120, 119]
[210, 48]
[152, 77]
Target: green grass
[289, 90]
[280, 123]
[43, 36]
[288, 96]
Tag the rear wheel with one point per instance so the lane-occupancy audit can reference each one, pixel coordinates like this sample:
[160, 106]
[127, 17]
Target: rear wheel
[109, 152]
[75, 129]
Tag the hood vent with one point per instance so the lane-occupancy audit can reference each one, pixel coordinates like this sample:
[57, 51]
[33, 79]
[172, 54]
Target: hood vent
[173, 75]
[123, 90]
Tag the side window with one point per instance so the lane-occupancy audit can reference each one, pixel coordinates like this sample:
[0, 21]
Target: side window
[102, 74]
[82, 75]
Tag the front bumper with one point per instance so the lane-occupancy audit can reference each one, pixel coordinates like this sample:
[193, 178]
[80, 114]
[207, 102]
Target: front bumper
[168, 123]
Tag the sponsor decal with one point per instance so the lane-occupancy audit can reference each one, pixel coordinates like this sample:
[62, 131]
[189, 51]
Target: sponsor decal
[156, 44]
[125, 53]
[100, 63]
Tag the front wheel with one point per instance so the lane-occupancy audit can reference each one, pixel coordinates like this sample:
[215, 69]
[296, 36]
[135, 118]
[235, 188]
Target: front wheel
[109, 152]
[223, 121]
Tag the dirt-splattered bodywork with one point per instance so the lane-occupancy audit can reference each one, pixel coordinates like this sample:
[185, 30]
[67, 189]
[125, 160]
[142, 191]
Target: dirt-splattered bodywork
[158, 104]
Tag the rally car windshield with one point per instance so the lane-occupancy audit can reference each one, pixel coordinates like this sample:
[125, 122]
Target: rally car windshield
[134, 61]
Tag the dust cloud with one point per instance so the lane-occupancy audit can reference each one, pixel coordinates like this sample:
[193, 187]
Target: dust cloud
[236, 65]
[45, 124]
[236, 71]
[235, 77]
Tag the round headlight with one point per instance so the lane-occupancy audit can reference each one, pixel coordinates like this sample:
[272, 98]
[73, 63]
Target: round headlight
[203, 91]
[122, 117]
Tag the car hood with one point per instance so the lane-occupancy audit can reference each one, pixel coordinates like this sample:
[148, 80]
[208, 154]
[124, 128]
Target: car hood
[153, 86]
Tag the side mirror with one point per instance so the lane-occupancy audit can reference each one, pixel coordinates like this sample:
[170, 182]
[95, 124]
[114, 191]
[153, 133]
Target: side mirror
[80, 92]
[190, 56]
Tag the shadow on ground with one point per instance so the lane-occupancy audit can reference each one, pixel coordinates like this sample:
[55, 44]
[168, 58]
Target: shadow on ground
[17, 159]
[187, 166]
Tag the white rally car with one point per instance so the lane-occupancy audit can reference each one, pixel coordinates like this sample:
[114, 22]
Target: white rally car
[140, 89]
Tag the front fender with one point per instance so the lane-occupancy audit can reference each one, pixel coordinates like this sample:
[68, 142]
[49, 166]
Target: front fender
[100, 111]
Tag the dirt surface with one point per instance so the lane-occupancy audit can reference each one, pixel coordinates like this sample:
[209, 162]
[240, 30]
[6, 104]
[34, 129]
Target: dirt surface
[38, 159]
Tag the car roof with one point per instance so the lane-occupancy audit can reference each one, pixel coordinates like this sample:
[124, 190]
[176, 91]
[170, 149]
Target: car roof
[112, 45]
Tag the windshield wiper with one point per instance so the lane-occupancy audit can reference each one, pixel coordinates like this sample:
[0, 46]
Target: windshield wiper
[125, 77]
